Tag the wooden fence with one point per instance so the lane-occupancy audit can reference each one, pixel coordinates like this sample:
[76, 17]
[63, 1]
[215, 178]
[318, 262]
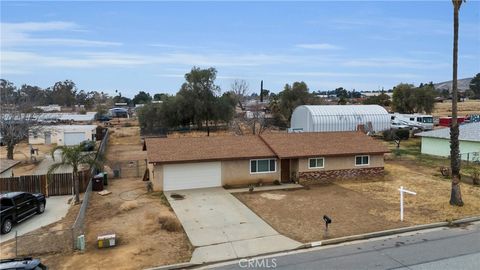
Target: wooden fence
[57, 184]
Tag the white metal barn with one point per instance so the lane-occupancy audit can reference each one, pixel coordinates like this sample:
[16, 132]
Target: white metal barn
[325, 118]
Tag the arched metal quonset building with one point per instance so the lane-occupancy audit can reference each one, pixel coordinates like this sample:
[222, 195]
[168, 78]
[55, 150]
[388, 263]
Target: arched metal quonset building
[325, 118]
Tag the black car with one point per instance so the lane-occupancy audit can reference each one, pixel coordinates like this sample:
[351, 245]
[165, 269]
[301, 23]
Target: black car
[16, 207]
[22, 263]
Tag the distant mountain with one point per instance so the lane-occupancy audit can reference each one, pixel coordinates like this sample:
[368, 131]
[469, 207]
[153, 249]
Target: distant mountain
[463, 85]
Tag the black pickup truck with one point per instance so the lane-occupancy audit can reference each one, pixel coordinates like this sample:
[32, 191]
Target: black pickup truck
[18, 206]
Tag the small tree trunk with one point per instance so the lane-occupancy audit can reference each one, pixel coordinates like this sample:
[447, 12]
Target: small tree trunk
[76, 187]
[10, 148]
[456, 194]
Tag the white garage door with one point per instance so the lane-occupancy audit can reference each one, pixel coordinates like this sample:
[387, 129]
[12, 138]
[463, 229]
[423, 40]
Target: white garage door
[73, 138]
[192, 175]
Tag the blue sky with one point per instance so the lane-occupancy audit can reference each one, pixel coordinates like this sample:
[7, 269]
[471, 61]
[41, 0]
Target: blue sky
[132, 46]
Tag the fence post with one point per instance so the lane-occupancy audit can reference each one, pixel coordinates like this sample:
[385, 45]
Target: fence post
[16, 244]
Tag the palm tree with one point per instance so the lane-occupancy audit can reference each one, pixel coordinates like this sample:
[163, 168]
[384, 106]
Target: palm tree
[74, 156]
[455, 195]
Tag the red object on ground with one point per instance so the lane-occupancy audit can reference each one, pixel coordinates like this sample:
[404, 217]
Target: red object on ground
[447, 121]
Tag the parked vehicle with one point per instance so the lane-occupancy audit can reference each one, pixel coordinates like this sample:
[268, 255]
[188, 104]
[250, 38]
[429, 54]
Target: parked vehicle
[399, 126]
[473, 118]
[88, 146]
[22, 263]
[447, 121]
[16, 207]
[418, 121]
[103, 118]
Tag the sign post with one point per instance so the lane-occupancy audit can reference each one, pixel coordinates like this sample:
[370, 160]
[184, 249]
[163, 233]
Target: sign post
[401, 199]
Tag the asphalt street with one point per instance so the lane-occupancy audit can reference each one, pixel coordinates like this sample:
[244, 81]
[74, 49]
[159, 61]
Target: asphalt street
[442, 248]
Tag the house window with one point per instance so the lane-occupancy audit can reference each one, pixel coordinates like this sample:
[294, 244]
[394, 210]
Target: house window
[262, 165]
[314, 163]
[362, 160]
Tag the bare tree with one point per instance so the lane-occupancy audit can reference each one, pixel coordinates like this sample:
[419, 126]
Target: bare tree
[455, 195]
[15, 126]
[240, 90]
[17, 118]
[256, 118]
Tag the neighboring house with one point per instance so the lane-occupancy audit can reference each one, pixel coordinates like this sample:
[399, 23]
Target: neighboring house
[437, 142]
[185, 163]
[62, 134]
[6, 167]
[327, 118]
[50, 108]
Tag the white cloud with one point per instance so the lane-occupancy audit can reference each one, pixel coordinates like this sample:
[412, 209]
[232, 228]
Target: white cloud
[20, 35]
[394, 62]
[318, 46]
[349, 74]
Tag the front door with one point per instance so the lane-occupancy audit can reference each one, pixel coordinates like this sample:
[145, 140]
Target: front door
[285, 167]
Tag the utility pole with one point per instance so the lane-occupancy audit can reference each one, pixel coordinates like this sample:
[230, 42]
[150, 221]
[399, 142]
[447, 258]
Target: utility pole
[261, 91]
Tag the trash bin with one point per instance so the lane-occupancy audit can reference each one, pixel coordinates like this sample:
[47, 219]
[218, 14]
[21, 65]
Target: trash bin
[97, 184]
[116, 173]
[105, 179]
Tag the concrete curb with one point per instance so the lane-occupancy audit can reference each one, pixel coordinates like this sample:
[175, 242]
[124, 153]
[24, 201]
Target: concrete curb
[174, 266]
[390, 232]
[337, 241]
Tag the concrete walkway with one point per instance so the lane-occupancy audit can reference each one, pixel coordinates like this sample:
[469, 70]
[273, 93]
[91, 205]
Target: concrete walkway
[220, 227]
[55, 209]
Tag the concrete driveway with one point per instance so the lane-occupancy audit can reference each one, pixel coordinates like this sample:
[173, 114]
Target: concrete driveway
[55, 209]
[222, 228]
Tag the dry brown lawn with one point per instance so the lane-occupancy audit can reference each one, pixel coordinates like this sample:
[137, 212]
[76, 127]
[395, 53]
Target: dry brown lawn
[298, 214]
[363, 205]
[464, 108]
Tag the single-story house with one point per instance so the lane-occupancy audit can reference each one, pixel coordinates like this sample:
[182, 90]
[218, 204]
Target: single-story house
[437, 142]
[62, 134]
[186, 163]
[6, 167]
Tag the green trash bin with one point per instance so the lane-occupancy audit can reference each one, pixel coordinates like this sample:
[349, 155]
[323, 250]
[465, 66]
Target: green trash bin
[105, 179]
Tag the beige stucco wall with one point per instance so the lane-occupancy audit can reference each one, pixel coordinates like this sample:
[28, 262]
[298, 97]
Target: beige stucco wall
[57, 133]
[340, 163]
[237, 172]
[156, 176]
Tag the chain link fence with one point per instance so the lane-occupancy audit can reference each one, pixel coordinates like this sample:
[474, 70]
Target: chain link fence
[128, 168]
[78, 228]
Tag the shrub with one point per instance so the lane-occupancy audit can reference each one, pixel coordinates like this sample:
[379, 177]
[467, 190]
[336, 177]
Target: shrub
[403, 134]
[169, 223]
[82, 111]
[128, 205]
[392, 134]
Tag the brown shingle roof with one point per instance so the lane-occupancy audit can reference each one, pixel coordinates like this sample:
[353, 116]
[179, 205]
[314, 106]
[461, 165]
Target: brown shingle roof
[309, 144]
[187, 149]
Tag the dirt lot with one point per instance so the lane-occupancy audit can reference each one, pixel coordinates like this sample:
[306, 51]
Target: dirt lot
[148, 232]
[22, 154]
[134, 217]
[366, 205]
[464, 108]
